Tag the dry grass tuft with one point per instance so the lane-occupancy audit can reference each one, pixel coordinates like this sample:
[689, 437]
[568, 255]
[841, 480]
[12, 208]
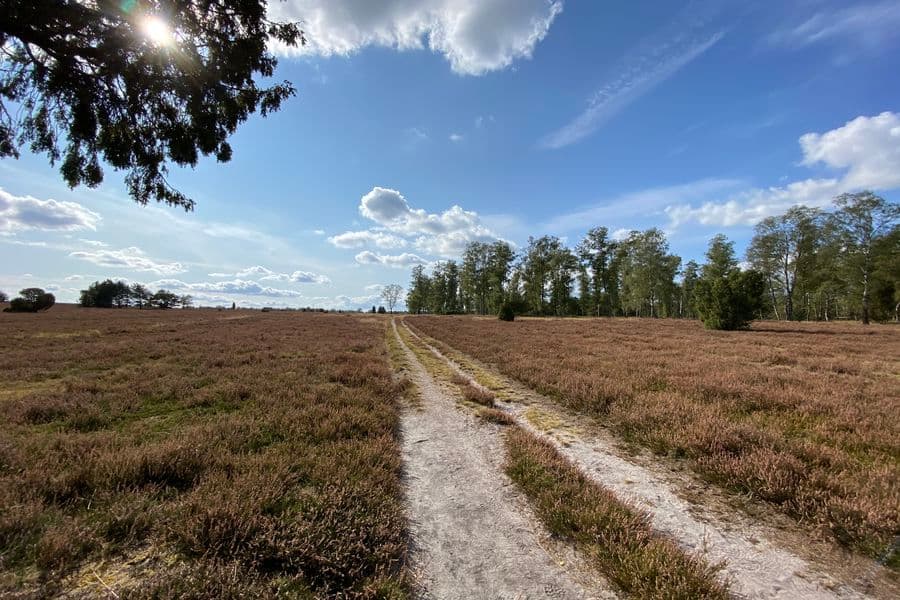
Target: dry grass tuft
[496, 415]
[477, 395]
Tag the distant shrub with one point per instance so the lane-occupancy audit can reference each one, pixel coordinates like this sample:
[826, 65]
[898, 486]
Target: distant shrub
[31, 300]
[507, 312]
[730, 302]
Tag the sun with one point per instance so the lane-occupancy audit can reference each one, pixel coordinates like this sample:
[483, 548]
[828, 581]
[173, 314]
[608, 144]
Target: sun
[157, 31]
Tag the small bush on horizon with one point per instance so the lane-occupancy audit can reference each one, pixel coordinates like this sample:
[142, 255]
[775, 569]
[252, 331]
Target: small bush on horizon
[31, 300]
[507, 313]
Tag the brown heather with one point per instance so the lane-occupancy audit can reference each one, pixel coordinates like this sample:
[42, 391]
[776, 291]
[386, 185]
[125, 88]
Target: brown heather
[804, 416]
[255, 453]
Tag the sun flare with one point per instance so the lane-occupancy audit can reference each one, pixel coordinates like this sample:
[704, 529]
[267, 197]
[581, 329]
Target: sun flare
[157, 31]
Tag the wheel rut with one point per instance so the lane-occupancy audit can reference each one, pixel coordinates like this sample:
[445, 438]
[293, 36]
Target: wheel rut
[473, 535]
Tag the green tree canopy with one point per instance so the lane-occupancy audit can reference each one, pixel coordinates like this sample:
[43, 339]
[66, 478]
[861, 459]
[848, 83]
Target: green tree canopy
[134, 84]
[31, 300]
[863, 219]
[726, 297]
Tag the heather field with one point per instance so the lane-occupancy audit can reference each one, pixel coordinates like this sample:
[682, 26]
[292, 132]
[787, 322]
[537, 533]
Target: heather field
[249, 454]
[802, 416]
[203, 454]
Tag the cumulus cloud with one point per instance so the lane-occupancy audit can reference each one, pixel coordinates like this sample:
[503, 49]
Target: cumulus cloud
[236, 286]
[266, 274]
[475, 36]
[866, 149]
[358, 239]
[400, 261]
[129, 258]
[443, 234]
[652, 201]
[750, 207]
[456, 137]
[18, 213]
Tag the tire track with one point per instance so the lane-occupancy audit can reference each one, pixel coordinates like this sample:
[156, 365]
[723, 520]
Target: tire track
[473, 534]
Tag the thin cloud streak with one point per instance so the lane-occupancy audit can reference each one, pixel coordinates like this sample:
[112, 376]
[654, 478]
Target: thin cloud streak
[638, 77]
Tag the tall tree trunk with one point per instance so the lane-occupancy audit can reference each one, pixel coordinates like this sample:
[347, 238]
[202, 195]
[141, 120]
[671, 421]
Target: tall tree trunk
[865, 299]
[774, 300]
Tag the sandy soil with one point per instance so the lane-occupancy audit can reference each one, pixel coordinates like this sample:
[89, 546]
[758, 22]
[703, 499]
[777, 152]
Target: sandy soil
[757, 558]
[473, 534]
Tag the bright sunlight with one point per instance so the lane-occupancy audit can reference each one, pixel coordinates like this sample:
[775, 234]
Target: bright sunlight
[157, 30]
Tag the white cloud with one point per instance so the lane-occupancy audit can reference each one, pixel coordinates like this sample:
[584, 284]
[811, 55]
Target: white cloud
[444, 234]
[866, 25]
[627, 207]
[456, 137]
[475, 36]
[867, 149]
[297, 277]
[266, 274]
[620, 234]
[319, 231]
[29, 244]
[237, 286]
[645, 67]
[358, 239]
[18, 213]
[400, 261]
[750, 207]
[254, 271]
[74, 278]
[129, 258]
[94, 243]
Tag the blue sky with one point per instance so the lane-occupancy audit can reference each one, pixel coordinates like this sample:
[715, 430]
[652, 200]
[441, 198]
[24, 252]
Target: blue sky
[421, 125]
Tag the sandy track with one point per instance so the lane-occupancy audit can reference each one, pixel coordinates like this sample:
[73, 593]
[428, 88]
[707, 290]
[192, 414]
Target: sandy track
[473, 534]
[755, 563]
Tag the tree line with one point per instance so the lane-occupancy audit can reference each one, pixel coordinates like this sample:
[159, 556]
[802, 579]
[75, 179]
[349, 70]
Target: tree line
[805, 264]
[118, 294]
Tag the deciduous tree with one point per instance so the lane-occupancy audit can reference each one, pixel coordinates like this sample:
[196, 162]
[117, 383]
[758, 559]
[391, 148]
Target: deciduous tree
[31, 300]
[862, 219]
[391, 295]
[783, 248]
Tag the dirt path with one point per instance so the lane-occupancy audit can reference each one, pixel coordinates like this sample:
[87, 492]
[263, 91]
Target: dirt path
[473, 534]
[755, 558]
